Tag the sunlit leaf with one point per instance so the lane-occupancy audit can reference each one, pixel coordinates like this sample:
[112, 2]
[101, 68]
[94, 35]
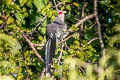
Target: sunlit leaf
[29, 3]
[43, 30]
[6, 77]
[68, 7]
[114, 39]
[116, 28]
[10, 20]
[1, 21]
[40, 4]
[75, 4]
[22, 2]
[9, 2]
[11, 41]
[20, 17]
[68, 0]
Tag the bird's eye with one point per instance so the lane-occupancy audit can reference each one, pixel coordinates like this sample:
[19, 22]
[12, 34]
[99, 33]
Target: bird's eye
[60, 12]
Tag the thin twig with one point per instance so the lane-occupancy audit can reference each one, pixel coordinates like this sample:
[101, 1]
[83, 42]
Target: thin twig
[4, 24]
[92, 40]
[81, 28]
[65, 39]
[92, 25]
[55, 5]
[82, 15]
[43, 72]
[83, 8]
[31, 45]
[36, 45]
[99, 27]
[84, 19]
[39, 45]
[61, 51]
[66, 46]
[60, 3]
[4, 18]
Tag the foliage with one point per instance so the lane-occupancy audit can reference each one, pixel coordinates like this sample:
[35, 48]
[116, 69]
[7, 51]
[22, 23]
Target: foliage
[10, 42]
[108, 69]
[18, 61]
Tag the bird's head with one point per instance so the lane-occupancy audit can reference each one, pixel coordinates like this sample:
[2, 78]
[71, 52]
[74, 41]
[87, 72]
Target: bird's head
[61, 15]
[61, 12]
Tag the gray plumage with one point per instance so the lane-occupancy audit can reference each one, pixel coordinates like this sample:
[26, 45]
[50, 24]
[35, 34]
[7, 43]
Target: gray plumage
[54, 33]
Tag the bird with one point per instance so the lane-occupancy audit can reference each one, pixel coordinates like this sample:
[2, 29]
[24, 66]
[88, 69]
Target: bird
[54, 33]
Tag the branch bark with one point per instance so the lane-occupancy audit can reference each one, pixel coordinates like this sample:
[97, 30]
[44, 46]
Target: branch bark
[55, 5]
[92, 40]
[79, 23]
[98, 27]
[60, 3]
[81, 34]
[84, 19]
[59, 58]
[31, 45]
[65, 39]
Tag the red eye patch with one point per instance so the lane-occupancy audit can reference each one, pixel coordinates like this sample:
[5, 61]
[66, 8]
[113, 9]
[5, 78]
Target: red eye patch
[59, 12]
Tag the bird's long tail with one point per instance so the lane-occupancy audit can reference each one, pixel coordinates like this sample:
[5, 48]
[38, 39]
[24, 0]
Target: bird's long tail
[49, 53]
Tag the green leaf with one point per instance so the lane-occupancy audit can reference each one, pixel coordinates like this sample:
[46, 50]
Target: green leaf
[35, 18]
[114, 39]
[43, 30]
[4, 63]
[46, 1]
[29, 3]
[10, 20]
[22, 2]
[1, 21]
[118, 2]
[74, 28]
[116, 28]
[20, 17]
[40, 38]
[9, 2]
[76, 42]
[52, 18]
[68, 0]
[7, 64]
[6, 77]
[68, 7]
[12, 26]
[11, 42]
[40, 4]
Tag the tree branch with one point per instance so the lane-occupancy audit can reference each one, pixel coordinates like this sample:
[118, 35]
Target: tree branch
[55, 5]
[79, 23]
[92, 40]
[61, 51]
[99, 27]
[58, 4]
[31, 45]
[42, 73]
[65, 39]
[84, 19]
[81, 31]
[82, 15]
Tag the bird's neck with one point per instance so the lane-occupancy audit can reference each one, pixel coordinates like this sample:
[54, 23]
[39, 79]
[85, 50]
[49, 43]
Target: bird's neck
[60, 19]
